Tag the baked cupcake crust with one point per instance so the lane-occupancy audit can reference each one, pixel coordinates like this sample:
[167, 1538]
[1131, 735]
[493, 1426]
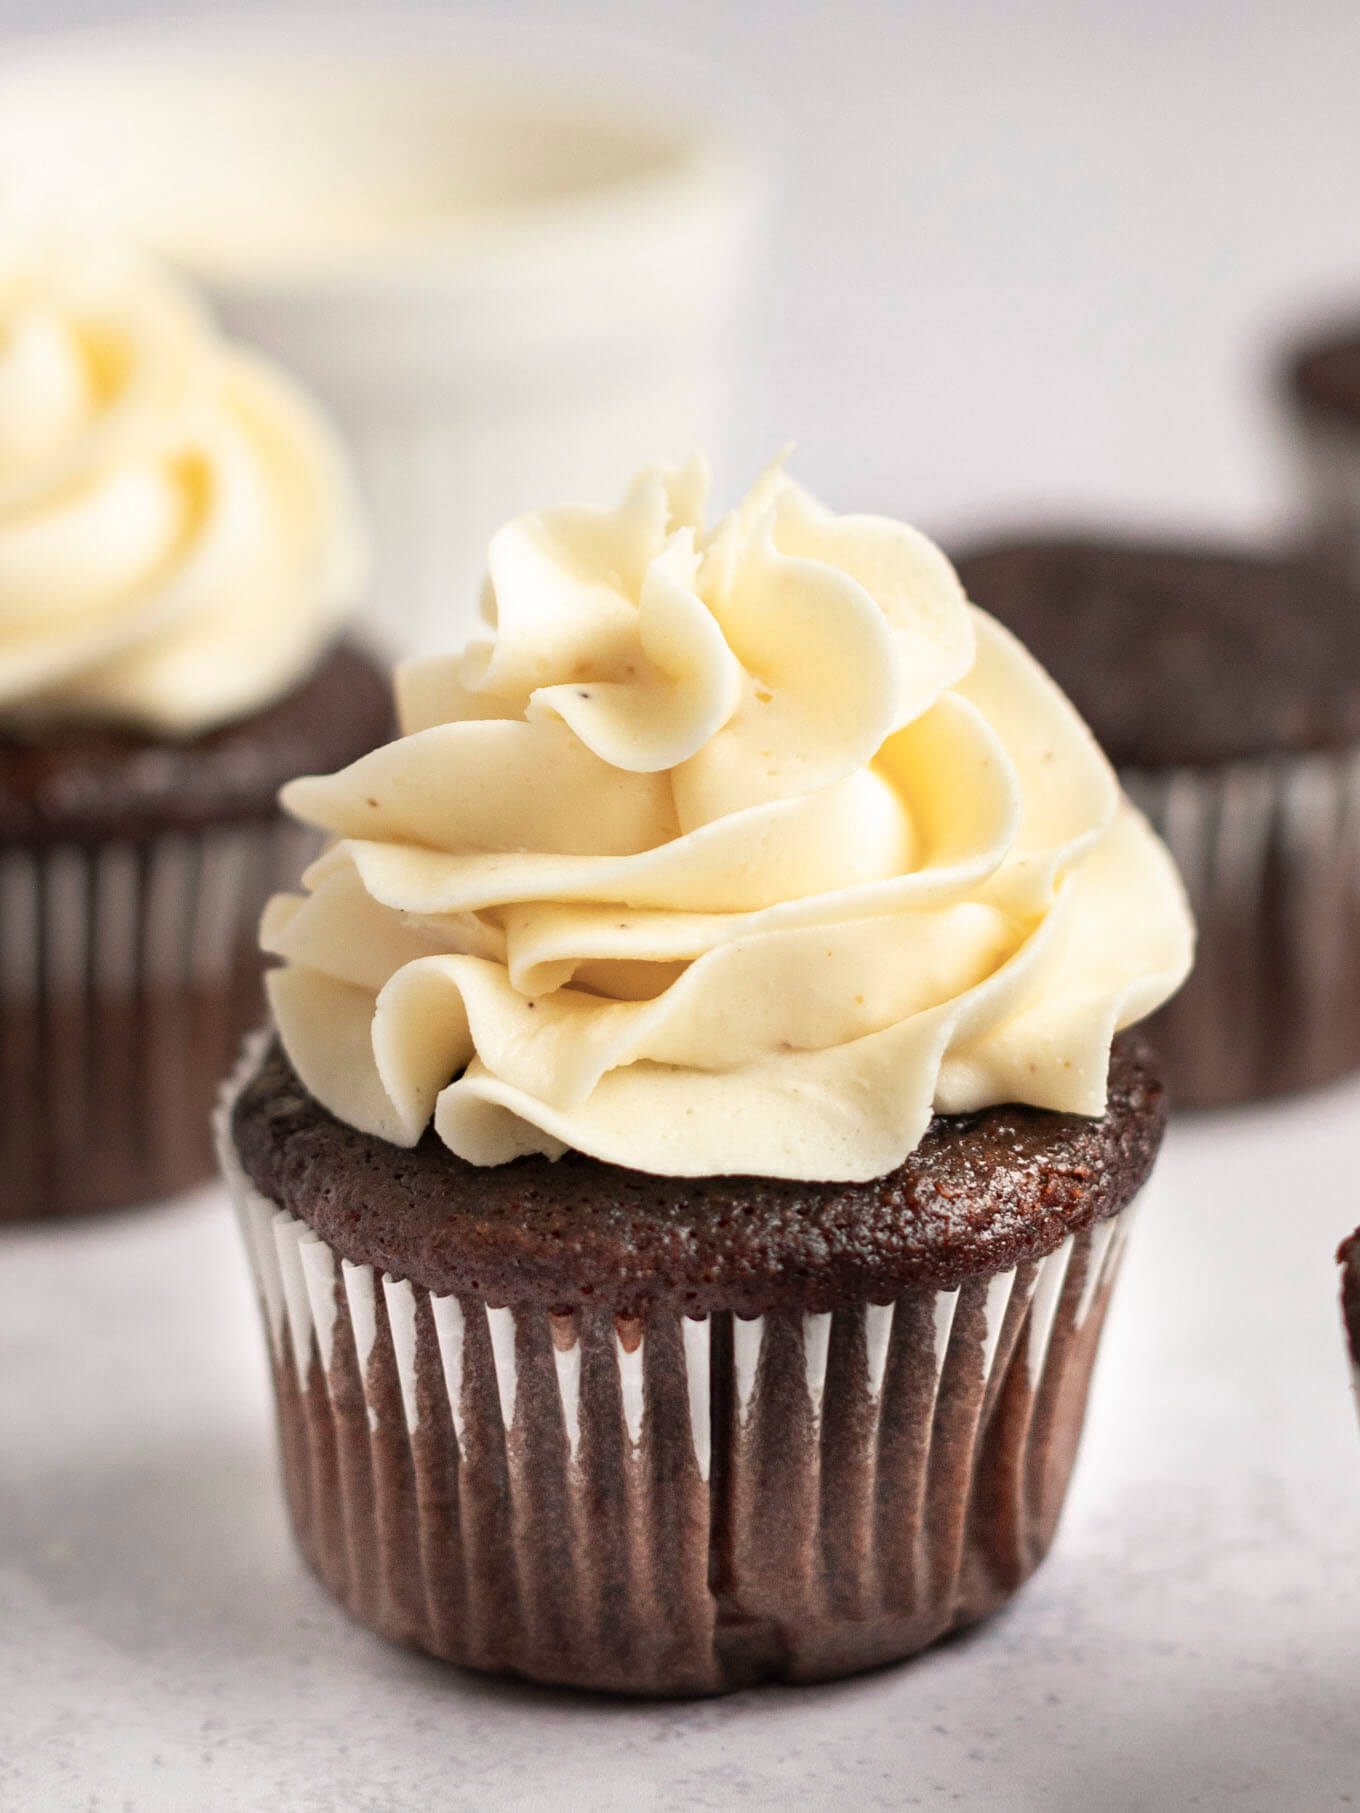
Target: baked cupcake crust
[981, 1193]
[1179, 656]
[90, 784]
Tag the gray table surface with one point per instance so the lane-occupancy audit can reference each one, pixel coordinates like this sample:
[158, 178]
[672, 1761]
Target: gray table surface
[1193, 1641]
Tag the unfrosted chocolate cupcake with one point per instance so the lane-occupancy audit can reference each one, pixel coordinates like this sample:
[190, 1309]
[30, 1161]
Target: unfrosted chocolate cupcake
[1321, 385]
[1225, 685]
[178, 551]
[686, 1188]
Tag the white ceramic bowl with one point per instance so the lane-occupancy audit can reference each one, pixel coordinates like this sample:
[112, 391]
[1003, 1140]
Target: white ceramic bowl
[515, 265]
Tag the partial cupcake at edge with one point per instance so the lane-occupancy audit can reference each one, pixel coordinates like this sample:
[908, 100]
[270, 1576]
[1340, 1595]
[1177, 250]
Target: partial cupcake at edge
[705, 1107]
[180, 548]
[1224, 683]
[1348, 1258]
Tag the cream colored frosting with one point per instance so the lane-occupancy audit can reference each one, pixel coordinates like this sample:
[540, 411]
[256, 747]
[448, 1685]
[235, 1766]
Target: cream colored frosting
[179, 535]
[738, 851]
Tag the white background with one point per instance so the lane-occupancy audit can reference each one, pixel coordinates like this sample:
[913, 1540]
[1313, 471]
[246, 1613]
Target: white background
[1034, 254]
[1032, 257]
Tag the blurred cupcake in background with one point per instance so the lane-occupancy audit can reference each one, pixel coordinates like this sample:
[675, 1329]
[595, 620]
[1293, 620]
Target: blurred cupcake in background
[1349, 1260]
[1224, 683]
[1321, 384]
[514, 263]
[179, 550]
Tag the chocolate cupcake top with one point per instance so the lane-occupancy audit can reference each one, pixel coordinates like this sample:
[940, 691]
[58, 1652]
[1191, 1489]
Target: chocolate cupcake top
[1324, 375]
[179, 532]
[1182, 656]
[742, 850]
[982, 1192]
[91, 783]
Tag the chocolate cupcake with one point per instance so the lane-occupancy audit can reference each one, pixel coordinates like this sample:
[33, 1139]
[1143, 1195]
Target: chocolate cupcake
[178, 551]
[1321, 385]
[1225, 686]
[1349, 1260]
[686, 1184]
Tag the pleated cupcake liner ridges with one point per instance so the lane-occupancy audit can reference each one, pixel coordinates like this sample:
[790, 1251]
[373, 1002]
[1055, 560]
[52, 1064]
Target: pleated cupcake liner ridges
[1269, 851]
[663, 1504]
[129, 973]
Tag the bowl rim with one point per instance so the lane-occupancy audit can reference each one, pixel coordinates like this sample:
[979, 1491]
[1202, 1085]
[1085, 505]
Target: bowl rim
[720, 175]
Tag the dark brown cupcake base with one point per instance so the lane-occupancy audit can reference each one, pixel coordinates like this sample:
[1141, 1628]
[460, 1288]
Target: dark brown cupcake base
[980, 1194]
[132, 878]
[667, 1504]
[130, 975]
[89, 785]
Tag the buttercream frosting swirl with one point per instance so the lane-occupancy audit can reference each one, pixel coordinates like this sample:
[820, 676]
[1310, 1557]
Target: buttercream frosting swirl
[739, 851]
[179, 532]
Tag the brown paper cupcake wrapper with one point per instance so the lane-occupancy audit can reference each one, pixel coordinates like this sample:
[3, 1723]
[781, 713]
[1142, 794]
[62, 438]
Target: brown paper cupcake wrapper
[1270, 854]
[665, 1505]
[128, 975]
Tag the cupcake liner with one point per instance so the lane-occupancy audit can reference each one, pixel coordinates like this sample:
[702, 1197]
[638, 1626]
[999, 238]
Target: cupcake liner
[1270, 854]
[128, 973]
[662, 1504]
[1327, 478]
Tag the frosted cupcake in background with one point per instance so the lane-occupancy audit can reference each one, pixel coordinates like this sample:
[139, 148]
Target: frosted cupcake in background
[1224, 683]
[179, 552]
[514, 261]
[688, 1178]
